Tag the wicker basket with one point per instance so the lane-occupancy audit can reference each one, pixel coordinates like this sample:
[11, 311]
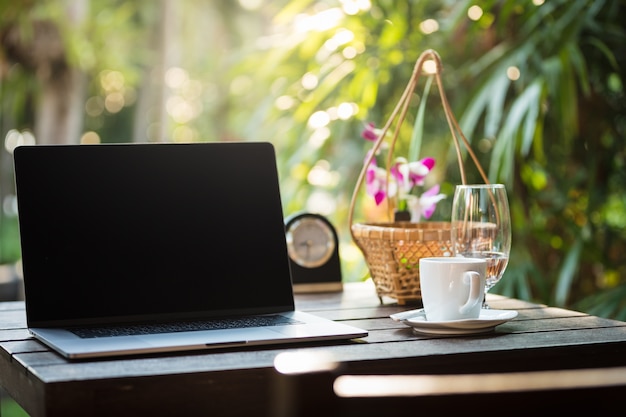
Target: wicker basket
[392, 250]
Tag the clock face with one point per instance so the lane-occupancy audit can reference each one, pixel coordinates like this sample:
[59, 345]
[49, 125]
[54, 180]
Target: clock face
[310, 241]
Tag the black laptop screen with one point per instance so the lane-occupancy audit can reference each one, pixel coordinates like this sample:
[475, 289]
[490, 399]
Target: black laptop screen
[150, 230]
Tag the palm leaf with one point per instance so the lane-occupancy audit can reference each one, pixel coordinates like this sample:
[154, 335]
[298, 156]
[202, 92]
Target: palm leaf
[568, 272]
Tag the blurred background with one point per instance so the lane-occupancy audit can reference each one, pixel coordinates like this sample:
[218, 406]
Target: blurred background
[537, 86]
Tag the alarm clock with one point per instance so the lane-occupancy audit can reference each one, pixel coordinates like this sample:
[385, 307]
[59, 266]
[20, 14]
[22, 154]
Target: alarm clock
[313, 248]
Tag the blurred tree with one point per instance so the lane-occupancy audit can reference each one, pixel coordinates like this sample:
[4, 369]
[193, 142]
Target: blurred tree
[540, 90]
[538, 87]
[109, 71]
[50, 53]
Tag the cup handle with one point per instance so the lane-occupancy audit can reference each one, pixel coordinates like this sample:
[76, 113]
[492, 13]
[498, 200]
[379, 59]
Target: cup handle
[471, 278]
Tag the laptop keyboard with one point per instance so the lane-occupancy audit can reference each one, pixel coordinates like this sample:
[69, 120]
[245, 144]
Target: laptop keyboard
[186, 326]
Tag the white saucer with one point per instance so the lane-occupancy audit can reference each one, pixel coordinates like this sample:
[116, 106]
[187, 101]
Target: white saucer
[485, 323]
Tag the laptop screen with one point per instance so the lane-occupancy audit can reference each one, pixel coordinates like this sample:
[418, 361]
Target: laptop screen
[136, 231]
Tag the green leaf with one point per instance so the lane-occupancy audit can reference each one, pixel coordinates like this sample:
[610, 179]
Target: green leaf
[498, 90]
[526, 105]
[568, 272]
[474, 110]
[532, 95]
[578, 63]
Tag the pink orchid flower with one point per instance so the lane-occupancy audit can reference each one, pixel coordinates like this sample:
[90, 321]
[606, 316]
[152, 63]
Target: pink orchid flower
[426, 204]
[402, 177]
[370, 132]
[410, 174]
[376, 182]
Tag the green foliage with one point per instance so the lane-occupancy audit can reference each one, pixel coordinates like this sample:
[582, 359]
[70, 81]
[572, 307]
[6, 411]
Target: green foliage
[10, 408]
[554, 135]
[10, 251]
[538, 89]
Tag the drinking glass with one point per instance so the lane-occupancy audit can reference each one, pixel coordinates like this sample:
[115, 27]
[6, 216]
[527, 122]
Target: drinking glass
[481, 228]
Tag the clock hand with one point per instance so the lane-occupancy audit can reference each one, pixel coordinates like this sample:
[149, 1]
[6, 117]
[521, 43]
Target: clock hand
[308, 244]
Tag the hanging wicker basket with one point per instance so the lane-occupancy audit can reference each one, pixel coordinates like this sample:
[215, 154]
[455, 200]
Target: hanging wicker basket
[392, 250]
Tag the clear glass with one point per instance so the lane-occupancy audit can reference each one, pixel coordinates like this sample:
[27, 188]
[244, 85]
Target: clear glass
[481, 228]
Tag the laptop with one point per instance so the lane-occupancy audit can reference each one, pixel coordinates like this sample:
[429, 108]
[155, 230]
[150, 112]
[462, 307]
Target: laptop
[139, 248]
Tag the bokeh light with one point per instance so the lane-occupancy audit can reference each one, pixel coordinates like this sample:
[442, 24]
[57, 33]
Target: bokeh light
[319, 119]
[429, 26]
[309, 81]
[513, 73]
[15, 138]
[90, 138]
[475, 12]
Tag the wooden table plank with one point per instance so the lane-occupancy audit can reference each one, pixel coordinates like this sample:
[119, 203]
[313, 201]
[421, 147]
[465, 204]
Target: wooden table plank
[12, 305]
[16, 334]
[50, 367]
[538, 338]
[13, 319]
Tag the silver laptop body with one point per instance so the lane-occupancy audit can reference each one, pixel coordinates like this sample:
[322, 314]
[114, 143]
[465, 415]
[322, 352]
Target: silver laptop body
[138, 248]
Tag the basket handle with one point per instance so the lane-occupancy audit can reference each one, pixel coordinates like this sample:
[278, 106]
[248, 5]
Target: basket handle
[402, 109]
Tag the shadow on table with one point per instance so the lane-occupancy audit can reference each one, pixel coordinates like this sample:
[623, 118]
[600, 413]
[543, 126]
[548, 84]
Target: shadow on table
[312, 386]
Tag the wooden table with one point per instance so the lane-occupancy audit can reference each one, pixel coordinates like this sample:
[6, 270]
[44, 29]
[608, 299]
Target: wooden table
[241, 382]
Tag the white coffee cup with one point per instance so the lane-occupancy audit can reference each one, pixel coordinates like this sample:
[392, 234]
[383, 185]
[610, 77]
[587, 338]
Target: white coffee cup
[452, 288]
